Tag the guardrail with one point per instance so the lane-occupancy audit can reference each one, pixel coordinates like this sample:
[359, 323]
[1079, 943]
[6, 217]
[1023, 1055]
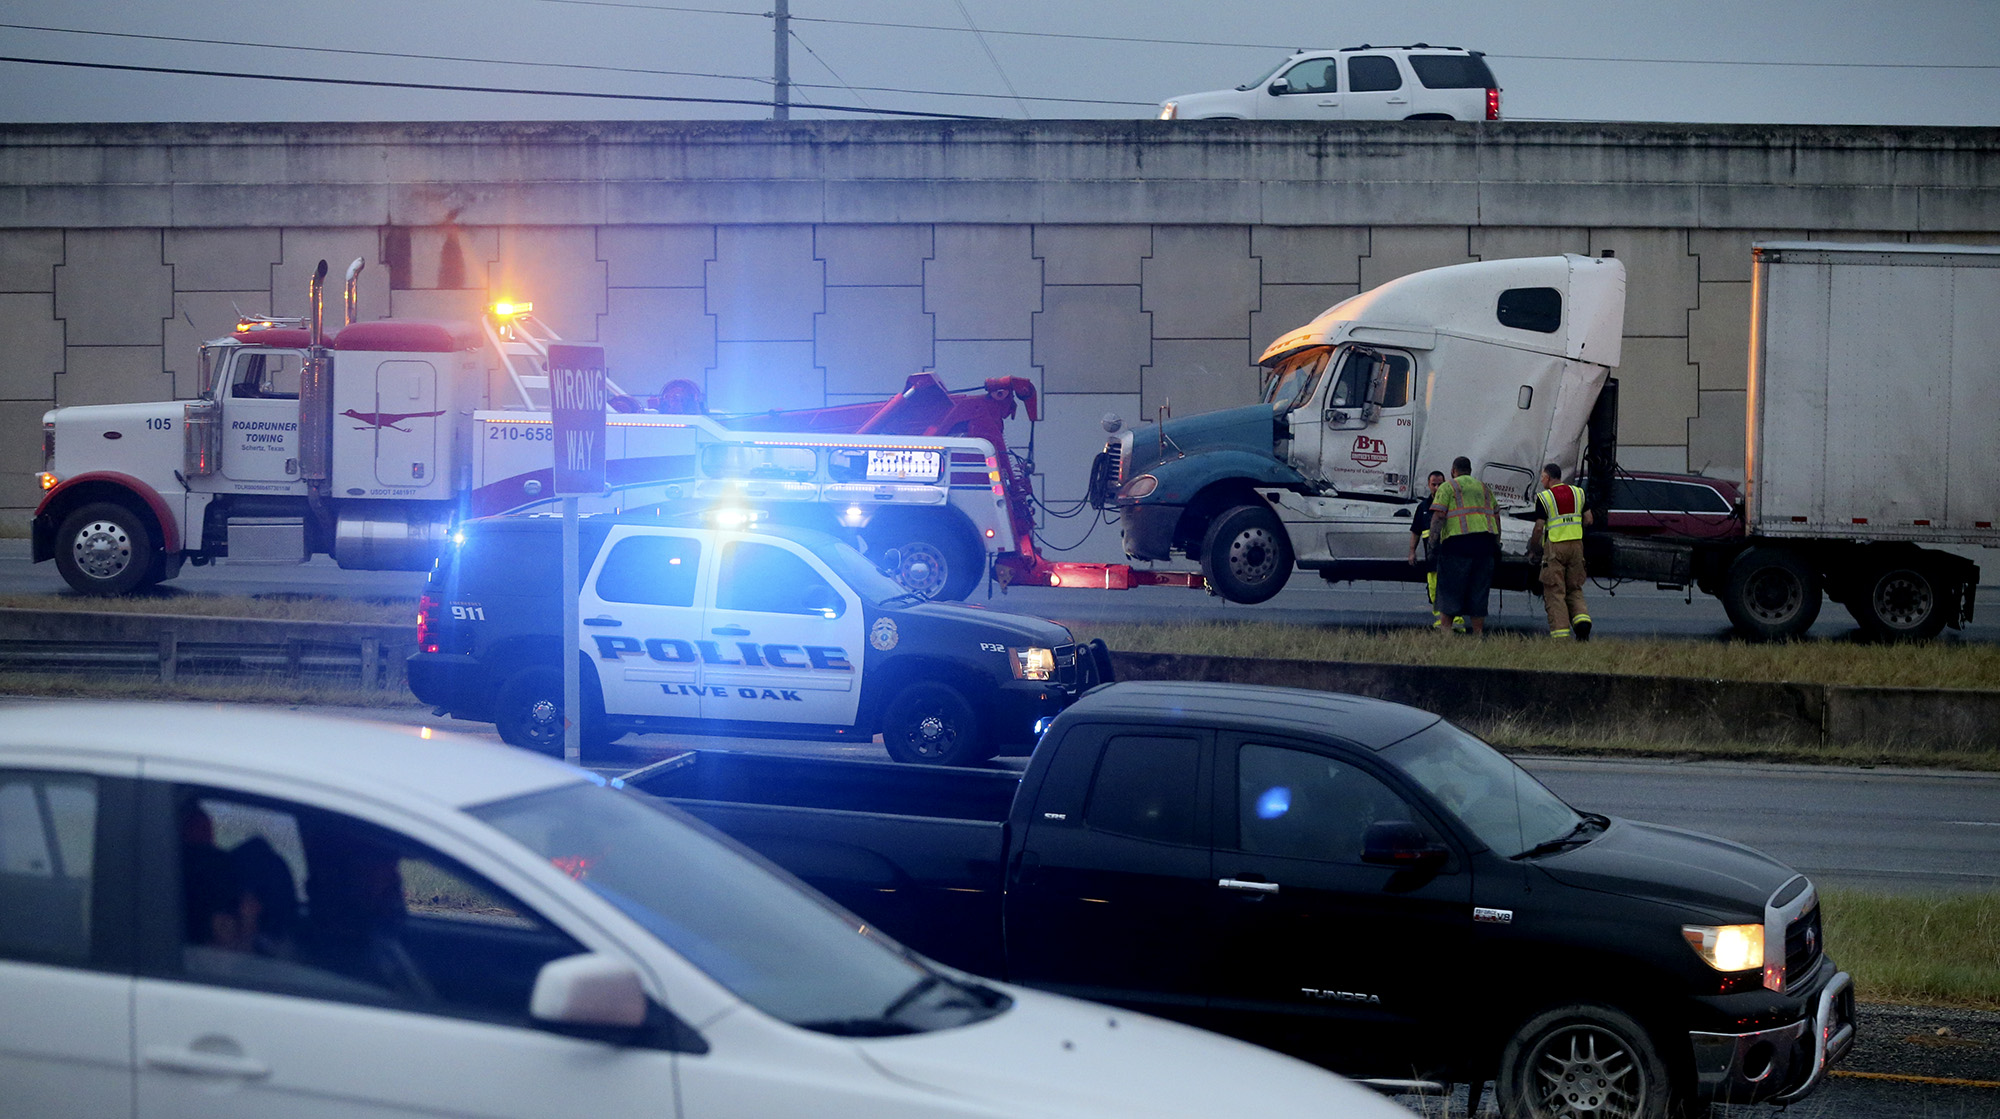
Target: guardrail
[169, 646]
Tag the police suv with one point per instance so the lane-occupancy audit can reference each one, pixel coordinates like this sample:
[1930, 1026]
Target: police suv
[773, 632]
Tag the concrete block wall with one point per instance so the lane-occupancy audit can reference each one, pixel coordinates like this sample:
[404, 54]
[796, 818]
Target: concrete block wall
[1122, 269]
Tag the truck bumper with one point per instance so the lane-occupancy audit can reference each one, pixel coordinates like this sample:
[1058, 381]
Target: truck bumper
[1020, 704]
[1148, 530]
[1782, 1064]
[453, 681]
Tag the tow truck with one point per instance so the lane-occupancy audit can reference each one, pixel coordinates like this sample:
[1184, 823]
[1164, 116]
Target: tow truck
[370, 441]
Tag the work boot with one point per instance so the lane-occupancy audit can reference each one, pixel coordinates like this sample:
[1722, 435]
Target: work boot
[1582, 624]
[1558, 633]
[1458, 625]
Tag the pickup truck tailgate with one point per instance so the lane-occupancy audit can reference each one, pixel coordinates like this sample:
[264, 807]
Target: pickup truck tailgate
[920, 847]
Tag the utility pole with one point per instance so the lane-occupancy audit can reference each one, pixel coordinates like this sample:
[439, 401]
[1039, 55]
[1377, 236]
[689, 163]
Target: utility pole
[781, 66]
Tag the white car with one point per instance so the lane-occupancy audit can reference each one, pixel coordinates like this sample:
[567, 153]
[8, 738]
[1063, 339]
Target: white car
[1417, 82]
[211, 912]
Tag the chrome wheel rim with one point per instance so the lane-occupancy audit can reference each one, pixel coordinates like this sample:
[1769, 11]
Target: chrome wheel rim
[1775, 595]
[1586, 1070]
[1903, 599]
[102, 550]
[543, 726]
[922, 569]
[1253, 556]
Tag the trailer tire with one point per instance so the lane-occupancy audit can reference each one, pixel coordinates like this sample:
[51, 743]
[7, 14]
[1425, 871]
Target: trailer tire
[930, 723]
[934, 558]
[1771, 594]
[106, 549]
[1245, 555]
[1584, 1059]
[1903, 600]
[528, 712]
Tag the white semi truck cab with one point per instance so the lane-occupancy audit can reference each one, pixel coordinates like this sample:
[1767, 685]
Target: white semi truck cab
[368, 442]
[1499, 361]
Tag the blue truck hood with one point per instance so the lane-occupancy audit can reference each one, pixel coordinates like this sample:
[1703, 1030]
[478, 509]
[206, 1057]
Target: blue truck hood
[1232, 429]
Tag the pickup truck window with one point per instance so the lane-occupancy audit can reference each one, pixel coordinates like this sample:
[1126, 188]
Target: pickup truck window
[652, 570]
[1302, 805]
[770, 580]
[776, 947]
[1495, 799]
[1146, 788]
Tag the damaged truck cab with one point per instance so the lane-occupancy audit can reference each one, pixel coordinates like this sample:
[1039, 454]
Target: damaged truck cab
[1499, 361]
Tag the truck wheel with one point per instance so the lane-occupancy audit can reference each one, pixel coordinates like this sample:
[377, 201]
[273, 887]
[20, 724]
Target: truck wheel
[1902, 602]
[1771, 594]
[1583, 1060]
[105, 549]
[933, 724]
[1246, 555]
[933, 559]
[528, 712]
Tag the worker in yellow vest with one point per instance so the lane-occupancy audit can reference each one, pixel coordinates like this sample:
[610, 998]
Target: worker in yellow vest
[1559, 520]
[1421, 536]
[1468, 533]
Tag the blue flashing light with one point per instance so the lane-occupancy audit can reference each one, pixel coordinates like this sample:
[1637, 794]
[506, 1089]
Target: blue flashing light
[1274, 802]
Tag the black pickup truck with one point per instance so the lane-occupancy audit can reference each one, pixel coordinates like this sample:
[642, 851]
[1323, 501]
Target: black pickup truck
[1357, 883]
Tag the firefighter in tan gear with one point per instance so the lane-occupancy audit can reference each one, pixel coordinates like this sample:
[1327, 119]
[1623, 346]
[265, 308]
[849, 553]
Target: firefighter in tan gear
[1559, 520]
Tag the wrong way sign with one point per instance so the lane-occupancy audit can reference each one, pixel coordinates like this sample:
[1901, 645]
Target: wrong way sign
[576, 404]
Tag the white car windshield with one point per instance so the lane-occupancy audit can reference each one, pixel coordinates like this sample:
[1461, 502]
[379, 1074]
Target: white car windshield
[782, 949]
[1498, 801]
[1268, 74]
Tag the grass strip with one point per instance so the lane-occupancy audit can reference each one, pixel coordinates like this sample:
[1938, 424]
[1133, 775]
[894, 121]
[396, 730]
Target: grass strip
[1937, 664]
[231, 689]
[1917, 949]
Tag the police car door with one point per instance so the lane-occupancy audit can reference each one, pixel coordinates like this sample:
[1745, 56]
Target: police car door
[641, 613]
[783, 641]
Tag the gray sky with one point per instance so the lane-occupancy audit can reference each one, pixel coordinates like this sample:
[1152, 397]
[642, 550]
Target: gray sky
[1918, 62]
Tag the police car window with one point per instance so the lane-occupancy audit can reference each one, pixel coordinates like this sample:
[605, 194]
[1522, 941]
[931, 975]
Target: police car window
[651, 570]
[767, 579]
[1370, 73]
[283, 897]
[48, 825]
[1303, 805]
[1145, 788]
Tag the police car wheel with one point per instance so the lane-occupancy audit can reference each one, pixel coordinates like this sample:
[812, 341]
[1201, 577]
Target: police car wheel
[929, 723]
[528, 711]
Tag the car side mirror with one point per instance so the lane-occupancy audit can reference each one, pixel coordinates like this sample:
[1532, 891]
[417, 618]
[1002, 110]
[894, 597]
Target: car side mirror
[1280, 85]
[1400, 843]
[589, 990]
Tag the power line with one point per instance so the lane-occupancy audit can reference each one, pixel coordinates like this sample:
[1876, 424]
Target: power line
[598, 68]
[189, 72]
[993, 58]
[1154, 41]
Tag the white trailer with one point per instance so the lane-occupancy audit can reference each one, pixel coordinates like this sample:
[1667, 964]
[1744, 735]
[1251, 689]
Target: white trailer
[1874, 399]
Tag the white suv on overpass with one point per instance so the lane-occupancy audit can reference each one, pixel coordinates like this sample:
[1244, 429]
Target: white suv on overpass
[1417, 82]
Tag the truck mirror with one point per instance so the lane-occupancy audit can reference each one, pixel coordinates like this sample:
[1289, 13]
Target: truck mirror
[1400, 843]
[892, 562]
[1280, 85]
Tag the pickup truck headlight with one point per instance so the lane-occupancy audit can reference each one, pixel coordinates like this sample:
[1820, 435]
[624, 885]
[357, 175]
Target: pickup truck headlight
[1727, 947]
[1034, 664]
[1142, 486]
[1170, 110]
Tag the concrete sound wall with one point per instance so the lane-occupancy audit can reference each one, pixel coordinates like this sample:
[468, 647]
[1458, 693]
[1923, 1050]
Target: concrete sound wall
[1121, 266]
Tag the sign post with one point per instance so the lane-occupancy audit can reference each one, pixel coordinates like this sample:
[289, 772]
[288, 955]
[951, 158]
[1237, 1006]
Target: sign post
[576, 405]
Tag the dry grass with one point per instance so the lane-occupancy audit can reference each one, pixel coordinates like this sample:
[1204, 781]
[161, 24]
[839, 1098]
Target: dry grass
[1922, 949]
[1514, 737]
[1932, 665]
[280, 608]
[271, 690]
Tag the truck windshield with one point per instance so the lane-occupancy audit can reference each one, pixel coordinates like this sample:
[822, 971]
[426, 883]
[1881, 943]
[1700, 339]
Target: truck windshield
[1498, 801]
[1292, 382]
[1256, 82]
[779, 948]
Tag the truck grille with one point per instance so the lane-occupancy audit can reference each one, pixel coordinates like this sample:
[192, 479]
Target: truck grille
[1803, 944]
[1066, 673]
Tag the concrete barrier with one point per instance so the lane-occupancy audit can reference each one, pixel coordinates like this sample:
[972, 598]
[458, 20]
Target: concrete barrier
[1769, 714]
